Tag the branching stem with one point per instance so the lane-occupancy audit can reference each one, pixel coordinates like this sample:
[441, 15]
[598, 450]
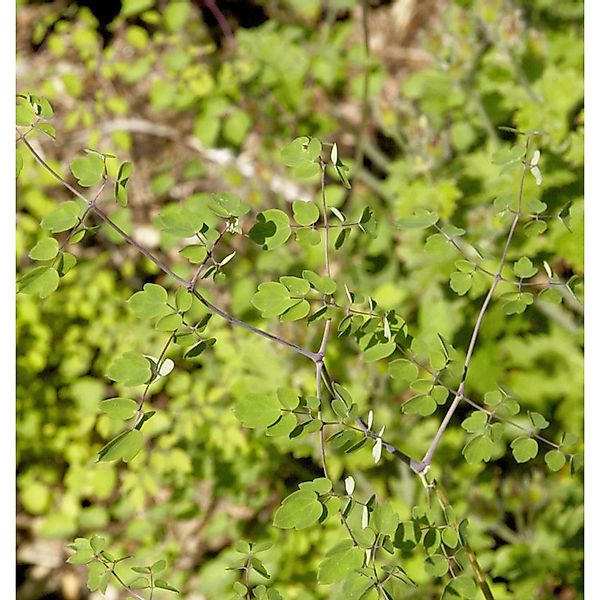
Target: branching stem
[471, 348]
[165, 269]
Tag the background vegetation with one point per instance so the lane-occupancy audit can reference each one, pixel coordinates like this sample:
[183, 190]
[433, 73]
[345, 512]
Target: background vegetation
[202, 106]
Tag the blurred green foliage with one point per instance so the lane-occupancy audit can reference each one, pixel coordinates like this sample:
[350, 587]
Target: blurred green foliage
[202, 482]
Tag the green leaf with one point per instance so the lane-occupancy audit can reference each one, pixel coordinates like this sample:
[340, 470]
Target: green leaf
[569, 439]
[323, 284]
[183, 300]
[199, 348]
[159, 566]
[436, 565]
[408, 535]
[41, 281]
[124, 172]
[379, 351]
[367, 222]
[461, 282]
[272, 299]
[125, 446]
[423, 386]
[180, 222]
[320, 485]
[283, 426]
[257, 410]
[506, 156]
[493, 398]
[242, 547]
[48, 129]
[130, 369]
[259, 567]
[533, 205]
[450, 537]
[296, 312]
[341, 238]
[439, 394]
[514, 307]
[308, 237]
[479, 448]
[306, 170]
[63, 217]
[534, 228]
[163, 585]
[385, 519]
[288, 398]
[83, 552]
[119, 408]
[555, 460]
[301, 151]
[144, 570]
[504, 202]
[25, 116]
[421, 219]
[341, 170]
[299, 511]
[170, 322]
[45, 249]
[88, 170]
[432, 540]
[538, 420]
[150, 302]
[460, 587]
[296, 285]
[226, 205]
[195, 253]
[305, 213]
[524, 449]
[140, 583]
[97, 543]
[419, 405]
[576, 463]
[121, 194]
[65, 263]
[550, 295]
[403, 369]
[465, 266]
[342, 559]
[524, 268]
[19, 161]
[271, 230]
[476, 422]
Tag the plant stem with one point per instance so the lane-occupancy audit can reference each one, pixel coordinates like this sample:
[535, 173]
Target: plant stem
[165, 269]
[416, 465]
[479, 573]
[158, 365]
[460, 392]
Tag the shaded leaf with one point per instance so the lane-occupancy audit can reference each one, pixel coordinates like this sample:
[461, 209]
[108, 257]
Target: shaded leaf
[119, 408]
[125, 446]
[130, 369]
[63, 217]
[299, 510]
[257, 410]
[271, 230]
[342, 559]
[41, 281]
